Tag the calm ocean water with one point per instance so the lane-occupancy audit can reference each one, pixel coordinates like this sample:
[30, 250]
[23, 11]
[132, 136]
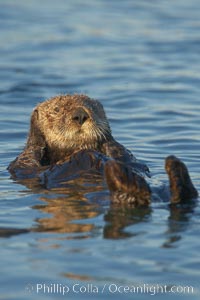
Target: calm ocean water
[141, 60]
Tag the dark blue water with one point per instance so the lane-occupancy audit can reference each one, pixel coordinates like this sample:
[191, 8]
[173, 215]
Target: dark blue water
[141, 60]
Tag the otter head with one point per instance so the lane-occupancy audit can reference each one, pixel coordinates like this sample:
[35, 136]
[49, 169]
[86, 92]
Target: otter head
[66, 124]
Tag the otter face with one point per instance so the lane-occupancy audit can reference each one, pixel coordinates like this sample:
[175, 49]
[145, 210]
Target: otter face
[72, 123]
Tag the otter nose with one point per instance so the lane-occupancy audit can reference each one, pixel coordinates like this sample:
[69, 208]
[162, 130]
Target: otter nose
[80, 116]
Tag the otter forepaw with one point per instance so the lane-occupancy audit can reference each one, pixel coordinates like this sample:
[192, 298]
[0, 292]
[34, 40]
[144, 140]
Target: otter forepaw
[181, 186]
[125, 186]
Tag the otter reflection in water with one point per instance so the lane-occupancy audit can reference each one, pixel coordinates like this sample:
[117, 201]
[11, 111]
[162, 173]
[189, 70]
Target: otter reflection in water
[70, 137]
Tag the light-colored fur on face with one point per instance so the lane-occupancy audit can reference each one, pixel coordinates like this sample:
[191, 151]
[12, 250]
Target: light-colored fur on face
[55, 122]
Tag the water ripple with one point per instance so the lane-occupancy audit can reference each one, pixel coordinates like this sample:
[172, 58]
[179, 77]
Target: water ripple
[141, 60]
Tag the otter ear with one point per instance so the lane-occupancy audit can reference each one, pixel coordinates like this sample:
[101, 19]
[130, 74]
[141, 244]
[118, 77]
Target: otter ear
[35, 138]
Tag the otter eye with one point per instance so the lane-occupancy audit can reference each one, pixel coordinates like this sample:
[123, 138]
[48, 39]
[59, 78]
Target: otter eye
[56, 109]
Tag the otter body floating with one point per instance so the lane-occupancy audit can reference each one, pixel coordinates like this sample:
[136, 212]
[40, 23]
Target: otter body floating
[70, 135]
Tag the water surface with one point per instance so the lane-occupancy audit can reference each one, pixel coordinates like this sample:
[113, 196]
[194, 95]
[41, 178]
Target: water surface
[141, 60]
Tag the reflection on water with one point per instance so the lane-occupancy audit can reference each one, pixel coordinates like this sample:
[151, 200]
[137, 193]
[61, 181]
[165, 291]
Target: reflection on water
[70, 211]
[179, 221]
[119, 218]
[65, 211]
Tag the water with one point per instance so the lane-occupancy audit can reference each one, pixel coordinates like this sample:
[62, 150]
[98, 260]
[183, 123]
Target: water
[141, 60]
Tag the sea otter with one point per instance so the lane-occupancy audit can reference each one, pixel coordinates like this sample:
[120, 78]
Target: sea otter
[70, 135]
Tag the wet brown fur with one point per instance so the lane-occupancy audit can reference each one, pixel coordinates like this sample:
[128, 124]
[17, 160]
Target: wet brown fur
[181, 185]
[56, 136]
[52, 126]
